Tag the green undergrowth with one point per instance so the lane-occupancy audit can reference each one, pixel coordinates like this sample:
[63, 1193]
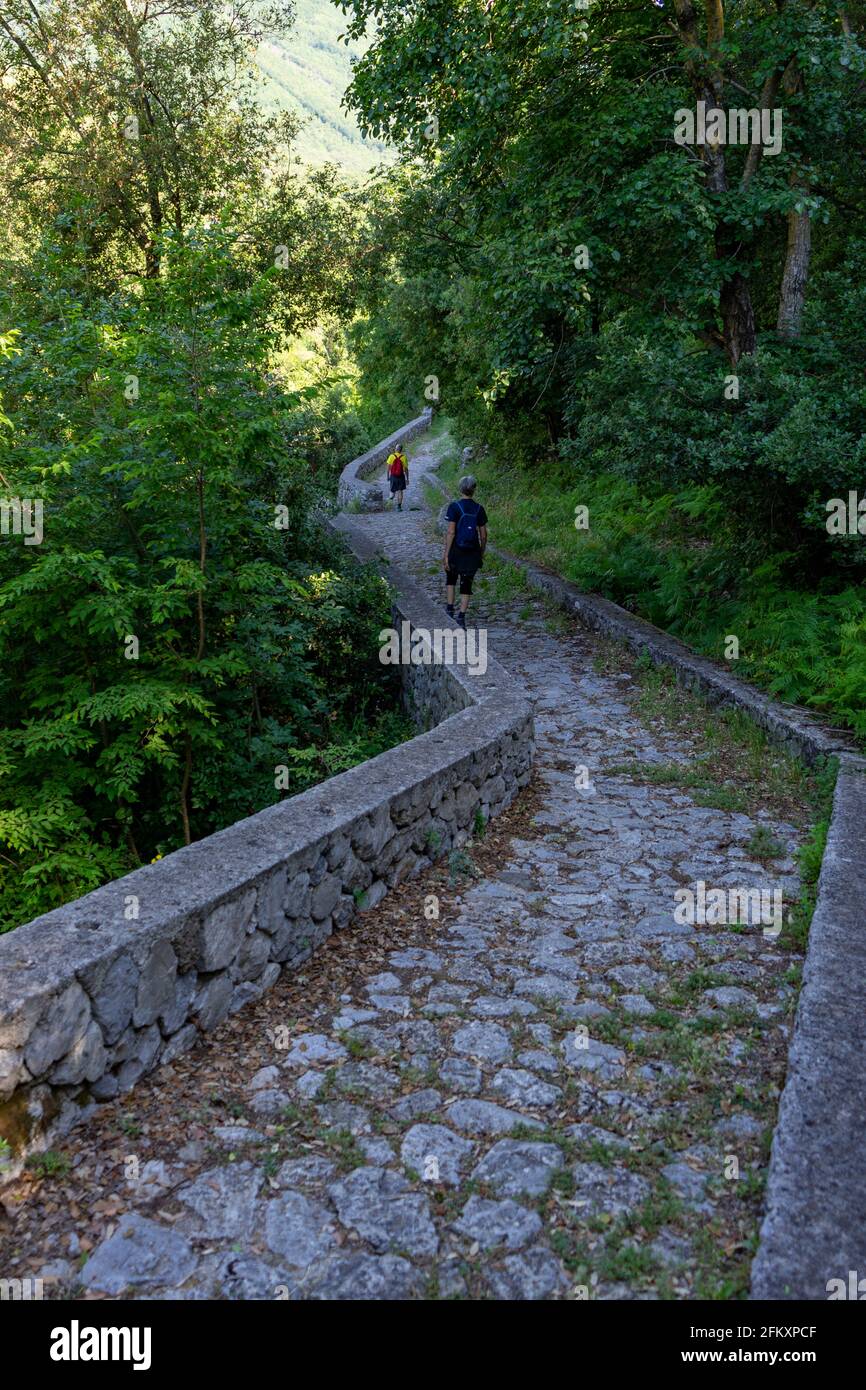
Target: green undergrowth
[673, 558]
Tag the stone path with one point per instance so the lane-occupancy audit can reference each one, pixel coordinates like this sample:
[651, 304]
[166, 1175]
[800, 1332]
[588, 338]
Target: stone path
[556, 1090]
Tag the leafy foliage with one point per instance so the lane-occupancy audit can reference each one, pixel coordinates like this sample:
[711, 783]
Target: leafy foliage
[184, 631]
[622, 321]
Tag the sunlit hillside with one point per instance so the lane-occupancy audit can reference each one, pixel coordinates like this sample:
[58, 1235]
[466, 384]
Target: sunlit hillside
[309, 72]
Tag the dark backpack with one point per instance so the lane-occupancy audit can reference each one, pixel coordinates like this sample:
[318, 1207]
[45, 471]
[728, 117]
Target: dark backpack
[466, 534]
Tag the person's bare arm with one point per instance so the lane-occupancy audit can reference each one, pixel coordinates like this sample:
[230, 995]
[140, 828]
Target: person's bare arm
[449, 537]
[482, 537]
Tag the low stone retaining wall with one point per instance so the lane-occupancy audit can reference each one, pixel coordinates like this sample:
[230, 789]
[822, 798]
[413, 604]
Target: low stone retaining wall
[97, 993]
[370, 497]
[814, 1228]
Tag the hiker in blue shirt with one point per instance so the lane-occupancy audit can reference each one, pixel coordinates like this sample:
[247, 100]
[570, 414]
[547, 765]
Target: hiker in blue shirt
[465, 543]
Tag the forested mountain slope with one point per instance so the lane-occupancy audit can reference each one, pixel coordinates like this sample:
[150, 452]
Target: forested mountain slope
[308, 73]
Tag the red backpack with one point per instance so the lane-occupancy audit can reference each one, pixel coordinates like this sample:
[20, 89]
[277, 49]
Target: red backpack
[396, 467]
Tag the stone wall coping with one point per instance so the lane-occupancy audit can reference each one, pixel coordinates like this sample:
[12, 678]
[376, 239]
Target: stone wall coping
[814, 1226]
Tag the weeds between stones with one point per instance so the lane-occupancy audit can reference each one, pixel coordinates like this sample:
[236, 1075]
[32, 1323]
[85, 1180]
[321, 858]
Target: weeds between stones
[50, 1164]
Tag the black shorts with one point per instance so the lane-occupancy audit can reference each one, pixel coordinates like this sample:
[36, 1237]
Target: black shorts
[398, 482]
[452, 576]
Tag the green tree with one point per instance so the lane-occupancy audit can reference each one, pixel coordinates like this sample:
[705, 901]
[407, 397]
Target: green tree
[122, 119]
[182, 628]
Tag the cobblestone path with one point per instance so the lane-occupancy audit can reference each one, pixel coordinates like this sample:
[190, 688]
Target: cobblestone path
[556, 1090]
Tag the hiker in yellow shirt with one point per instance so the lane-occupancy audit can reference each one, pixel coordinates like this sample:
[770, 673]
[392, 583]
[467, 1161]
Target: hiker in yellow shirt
[398, 476]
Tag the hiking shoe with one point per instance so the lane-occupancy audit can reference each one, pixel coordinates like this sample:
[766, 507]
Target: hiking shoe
[461, 620]
[449, 609]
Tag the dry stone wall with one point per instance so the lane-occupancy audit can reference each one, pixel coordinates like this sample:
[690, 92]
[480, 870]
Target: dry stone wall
[99, 992]
[354, 491]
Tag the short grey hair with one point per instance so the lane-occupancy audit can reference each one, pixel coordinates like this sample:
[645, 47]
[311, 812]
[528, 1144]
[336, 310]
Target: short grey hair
[467, 485]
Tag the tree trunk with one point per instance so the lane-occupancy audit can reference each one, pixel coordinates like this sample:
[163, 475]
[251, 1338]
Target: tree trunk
[792, 295]
[184, 791]
[738, 318]
[707, 78]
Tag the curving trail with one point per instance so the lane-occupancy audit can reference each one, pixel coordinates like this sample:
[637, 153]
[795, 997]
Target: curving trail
[555, 1090]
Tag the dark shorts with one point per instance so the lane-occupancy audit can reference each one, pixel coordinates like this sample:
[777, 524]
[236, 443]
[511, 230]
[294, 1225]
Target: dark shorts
[452, 576]
[462, 561]
[398, 482]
